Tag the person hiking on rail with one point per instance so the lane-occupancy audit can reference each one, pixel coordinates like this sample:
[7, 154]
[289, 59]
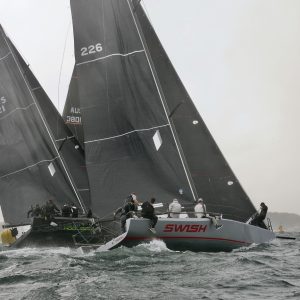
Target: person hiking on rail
[258, 220]
[148, 213]
[127, 212]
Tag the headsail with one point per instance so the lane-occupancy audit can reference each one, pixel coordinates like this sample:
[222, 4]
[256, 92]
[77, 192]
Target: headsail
[31, 168]
[212, 176]
[129, 141]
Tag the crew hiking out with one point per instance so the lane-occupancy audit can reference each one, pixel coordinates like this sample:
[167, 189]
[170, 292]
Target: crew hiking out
[127, 211]
[148, 213]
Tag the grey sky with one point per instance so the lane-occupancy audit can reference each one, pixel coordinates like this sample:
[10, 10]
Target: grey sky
[239, 60]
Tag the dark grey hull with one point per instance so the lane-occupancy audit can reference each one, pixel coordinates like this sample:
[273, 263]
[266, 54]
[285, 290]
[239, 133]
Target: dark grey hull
[65, 232]
[192, 234]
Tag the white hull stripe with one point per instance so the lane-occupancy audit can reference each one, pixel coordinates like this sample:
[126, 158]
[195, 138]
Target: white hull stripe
[31, 166]
[83, 190]
[126, 133]
[110, 55]
[2, 58]
[18, 108]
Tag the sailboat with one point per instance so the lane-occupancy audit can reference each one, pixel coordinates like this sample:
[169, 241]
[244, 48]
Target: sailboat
[40, 159]
[141, 132]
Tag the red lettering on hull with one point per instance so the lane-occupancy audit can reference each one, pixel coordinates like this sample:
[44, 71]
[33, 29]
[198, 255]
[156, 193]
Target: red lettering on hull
[185, 228]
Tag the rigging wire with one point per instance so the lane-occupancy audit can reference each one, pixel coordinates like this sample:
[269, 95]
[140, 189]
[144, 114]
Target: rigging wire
[61, 65]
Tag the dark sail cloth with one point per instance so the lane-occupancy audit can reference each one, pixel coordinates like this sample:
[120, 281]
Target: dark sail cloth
[126, 213]
[259, 218]
[148, 213]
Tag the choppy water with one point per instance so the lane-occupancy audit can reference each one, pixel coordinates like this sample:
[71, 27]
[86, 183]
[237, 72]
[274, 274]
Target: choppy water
[152, 272]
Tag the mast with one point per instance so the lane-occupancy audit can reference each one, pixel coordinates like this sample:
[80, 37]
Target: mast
[162, 98]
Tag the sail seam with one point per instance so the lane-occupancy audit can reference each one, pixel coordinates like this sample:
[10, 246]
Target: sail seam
[110, 55]
[2, 58]
[18, 108]
[68, 137]
[126, 133]
[28, 167]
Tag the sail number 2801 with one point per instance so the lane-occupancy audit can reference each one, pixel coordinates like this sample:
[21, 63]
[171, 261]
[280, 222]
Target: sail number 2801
[91, 49]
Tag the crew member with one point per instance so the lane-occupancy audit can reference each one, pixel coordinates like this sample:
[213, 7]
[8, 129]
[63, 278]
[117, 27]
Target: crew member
[148, 213]
[126, 212]
[37, 211]
[175, 209]
[51, 208]
[74, 210]
[30, 212]
[201, 212]
[200, 209]
[258, 220]
[89, 214]
[66, 210]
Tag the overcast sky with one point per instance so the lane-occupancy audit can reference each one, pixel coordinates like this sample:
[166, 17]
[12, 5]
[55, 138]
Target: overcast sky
[239, 60]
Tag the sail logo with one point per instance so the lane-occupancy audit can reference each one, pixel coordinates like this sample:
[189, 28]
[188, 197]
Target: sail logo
[185, 228]
[75, 120]
[2, 104]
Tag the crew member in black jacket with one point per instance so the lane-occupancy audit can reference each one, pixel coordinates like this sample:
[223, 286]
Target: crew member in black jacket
[148, 213]
[259, 218]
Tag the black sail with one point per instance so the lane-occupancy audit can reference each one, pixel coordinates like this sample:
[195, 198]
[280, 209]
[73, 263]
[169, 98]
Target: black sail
[68, 145]
[71, 113]
[129, 143]
[31, 169]
[213, 178]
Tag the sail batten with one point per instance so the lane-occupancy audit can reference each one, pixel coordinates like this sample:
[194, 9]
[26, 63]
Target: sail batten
[127, 133]
[110, 55]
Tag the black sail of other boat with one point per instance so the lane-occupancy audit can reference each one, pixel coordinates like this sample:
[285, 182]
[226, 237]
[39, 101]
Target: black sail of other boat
[142, 131]
[212, 176]
[32, 169]
[68, 146]
[129, 140]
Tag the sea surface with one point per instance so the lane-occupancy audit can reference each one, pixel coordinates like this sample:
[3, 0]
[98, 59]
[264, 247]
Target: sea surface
[151, 271]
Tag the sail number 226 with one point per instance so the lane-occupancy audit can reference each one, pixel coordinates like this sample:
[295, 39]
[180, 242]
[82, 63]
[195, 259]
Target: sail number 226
[91, 49]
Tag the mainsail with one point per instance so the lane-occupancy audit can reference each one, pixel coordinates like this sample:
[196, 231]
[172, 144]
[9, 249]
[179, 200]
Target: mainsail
[32, 170]
[142, 132]
[130, 145]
